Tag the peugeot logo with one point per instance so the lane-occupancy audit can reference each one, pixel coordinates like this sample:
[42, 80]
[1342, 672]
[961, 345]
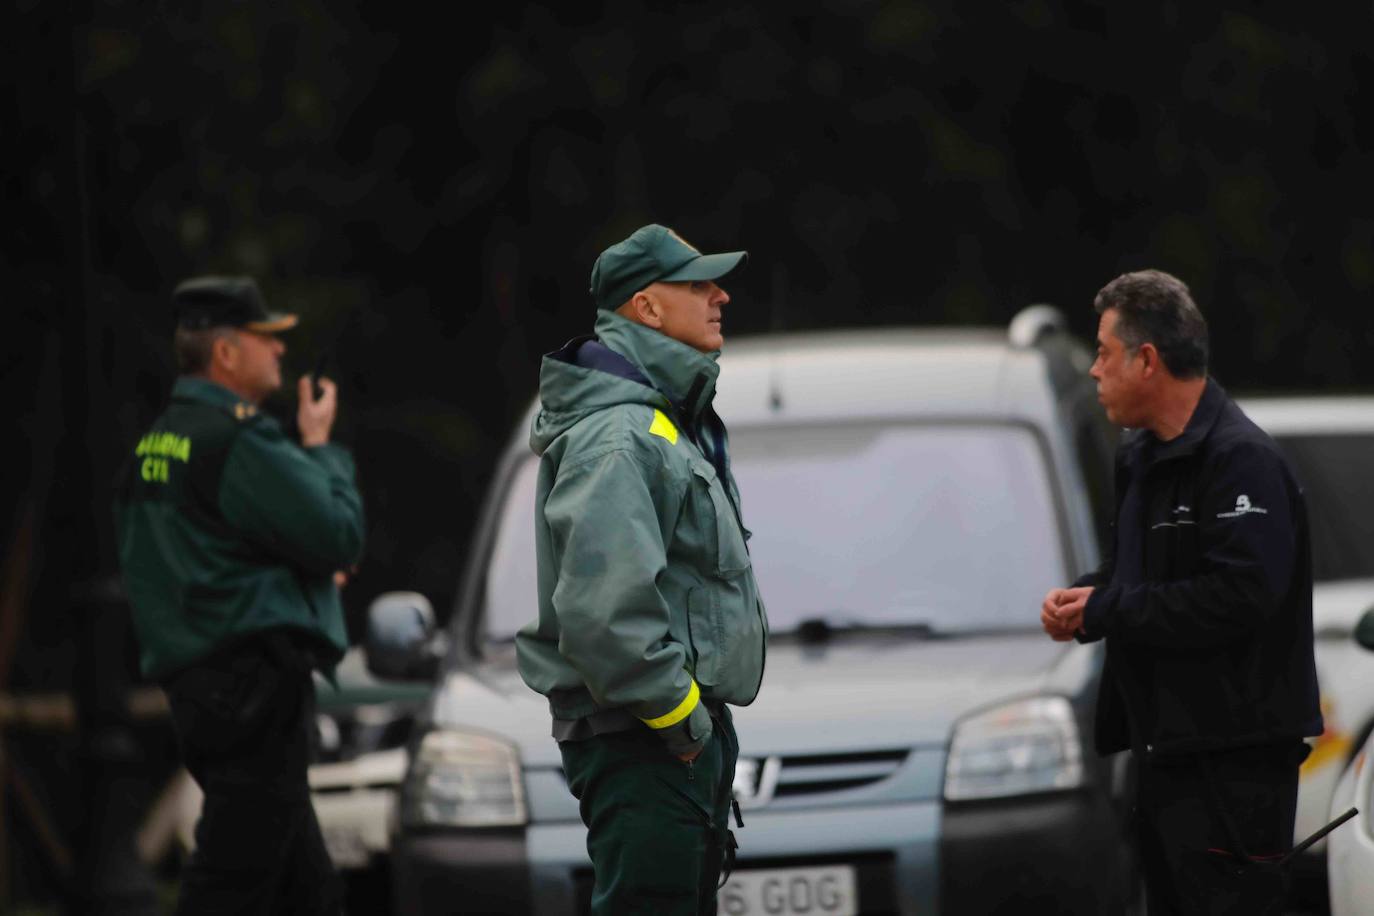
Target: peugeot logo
[756, 781]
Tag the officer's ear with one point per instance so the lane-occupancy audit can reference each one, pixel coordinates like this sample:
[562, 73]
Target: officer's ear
[224, 350]
[645, 309]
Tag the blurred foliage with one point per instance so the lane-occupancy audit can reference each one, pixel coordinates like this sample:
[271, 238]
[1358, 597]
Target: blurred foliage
[430, 198]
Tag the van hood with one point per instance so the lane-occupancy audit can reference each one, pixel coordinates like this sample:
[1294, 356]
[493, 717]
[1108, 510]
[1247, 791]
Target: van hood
[853, 693]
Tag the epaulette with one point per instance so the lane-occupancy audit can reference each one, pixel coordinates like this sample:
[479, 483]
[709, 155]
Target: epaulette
[244, 411]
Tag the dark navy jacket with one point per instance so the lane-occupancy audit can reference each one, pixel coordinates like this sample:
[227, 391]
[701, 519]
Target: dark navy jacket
[1206, 599]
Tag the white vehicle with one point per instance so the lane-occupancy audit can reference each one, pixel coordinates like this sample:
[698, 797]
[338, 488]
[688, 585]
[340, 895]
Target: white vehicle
[1350, 854]
[1330, 441]
[362, 728]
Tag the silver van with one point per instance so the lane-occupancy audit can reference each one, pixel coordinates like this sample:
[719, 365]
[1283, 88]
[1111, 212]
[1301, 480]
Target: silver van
[919, 746]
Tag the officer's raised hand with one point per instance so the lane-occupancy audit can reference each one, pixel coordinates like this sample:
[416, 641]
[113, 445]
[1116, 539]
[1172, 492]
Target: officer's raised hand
[315, 418]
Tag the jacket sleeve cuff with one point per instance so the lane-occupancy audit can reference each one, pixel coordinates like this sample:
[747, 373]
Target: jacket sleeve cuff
[690, 735]
[685, 728]
[1092, 578]
[1095, 614]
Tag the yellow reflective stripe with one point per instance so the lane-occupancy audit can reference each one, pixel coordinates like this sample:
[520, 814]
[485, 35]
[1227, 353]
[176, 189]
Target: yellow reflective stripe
[683, 710]
[664, 427]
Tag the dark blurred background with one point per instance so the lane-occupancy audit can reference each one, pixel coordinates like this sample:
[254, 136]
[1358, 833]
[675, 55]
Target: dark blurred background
[428, 191]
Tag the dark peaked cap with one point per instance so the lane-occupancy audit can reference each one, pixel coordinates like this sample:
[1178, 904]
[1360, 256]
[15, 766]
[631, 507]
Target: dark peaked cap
[209, 302]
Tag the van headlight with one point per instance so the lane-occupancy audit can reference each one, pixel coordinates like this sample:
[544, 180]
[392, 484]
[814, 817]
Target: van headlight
[461, 779]
[1015, 749]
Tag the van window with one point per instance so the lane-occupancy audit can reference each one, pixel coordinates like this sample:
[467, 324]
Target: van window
[1333, 470]
[951, 525]
[1094, 443]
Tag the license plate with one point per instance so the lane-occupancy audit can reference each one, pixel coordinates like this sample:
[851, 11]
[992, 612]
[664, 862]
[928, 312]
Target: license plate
[824, 890]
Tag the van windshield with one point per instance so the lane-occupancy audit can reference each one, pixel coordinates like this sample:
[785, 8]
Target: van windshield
[946, 526]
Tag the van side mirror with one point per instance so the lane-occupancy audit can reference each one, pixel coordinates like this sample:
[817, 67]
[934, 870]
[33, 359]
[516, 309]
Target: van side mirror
[402, 643]
[1364, 630]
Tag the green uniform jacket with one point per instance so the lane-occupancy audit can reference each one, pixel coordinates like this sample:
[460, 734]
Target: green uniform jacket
[226, 527]
[647, 599]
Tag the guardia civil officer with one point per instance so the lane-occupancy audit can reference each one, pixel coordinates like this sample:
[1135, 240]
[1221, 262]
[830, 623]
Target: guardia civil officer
[230, 535]
[1206, 608]
[650, 620]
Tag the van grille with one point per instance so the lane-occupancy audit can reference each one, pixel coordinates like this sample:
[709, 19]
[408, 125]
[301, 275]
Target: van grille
[817, 774]
[760, 780]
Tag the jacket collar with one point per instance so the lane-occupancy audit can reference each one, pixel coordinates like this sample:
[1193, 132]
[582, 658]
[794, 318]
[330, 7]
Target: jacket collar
[590, 353]
[1199, 425]
[199, 390]
[684, 375]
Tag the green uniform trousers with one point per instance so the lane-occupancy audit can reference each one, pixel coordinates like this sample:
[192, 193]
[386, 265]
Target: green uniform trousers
[658, 829]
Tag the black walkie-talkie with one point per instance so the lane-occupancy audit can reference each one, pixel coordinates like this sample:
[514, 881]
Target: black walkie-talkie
[321, 362]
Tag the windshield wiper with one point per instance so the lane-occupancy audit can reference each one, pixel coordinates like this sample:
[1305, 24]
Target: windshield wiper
[821, 629]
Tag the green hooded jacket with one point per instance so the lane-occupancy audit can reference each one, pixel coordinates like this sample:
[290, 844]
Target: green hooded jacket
[226, 528]
[648, 607]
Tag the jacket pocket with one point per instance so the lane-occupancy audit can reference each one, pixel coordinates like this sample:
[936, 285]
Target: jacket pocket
[704, 630]
[1171, 549]
[730, 553]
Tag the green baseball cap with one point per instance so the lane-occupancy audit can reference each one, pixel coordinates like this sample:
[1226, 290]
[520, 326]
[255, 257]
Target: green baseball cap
[206, 302]
[651, 254]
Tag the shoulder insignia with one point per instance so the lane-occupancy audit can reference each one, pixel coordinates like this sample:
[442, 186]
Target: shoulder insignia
[662, 426]
[244, 411]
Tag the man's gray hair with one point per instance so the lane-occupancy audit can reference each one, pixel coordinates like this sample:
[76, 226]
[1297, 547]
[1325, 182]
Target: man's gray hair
[1156, 308]
[193, 347]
